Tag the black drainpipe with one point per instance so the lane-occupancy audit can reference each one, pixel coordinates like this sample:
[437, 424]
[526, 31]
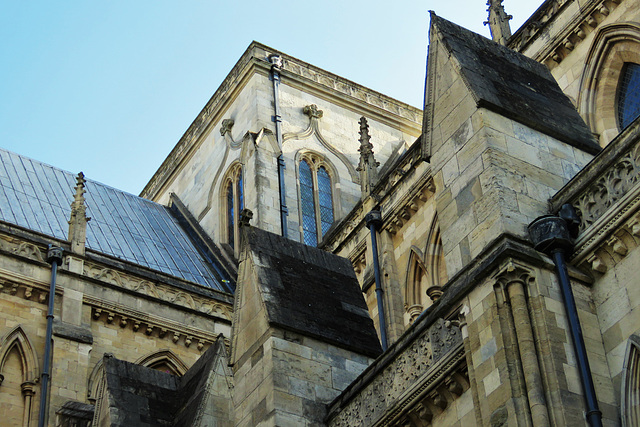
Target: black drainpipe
[373, 220]
[550, 234]
[54, 257]
[276, 64]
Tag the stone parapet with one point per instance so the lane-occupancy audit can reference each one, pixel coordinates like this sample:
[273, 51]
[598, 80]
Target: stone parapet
[606, 196]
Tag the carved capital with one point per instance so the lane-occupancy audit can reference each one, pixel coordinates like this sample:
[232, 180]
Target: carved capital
[513, 272]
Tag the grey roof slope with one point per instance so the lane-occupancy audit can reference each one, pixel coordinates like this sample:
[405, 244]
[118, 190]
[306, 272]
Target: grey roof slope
[515, 86]
[311, 291]
[139, 395]
[37, 196]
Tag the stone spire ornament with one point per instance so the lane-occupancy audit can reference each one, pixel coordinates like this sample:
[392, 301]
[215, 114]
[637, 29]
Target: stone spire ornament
[498, 22]
[368, 167]
[79, 219]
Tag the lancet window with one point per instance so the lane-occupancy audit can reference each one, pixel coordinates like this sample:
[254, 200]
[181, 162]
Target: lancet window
[628, 104]
[316, 199]
[233, 196]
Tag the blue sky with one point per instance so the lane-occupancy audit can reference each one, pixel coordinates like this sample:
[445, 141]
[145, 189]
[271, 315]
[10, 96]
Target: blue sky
[109, 87]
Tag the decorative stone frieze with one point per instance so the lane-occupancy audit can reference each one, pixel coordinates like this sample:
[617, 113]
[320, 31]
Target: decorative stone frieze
[606, 196]
[421, 381]
[156, 290]
[611, 186]
[151, 326]
[569, 38]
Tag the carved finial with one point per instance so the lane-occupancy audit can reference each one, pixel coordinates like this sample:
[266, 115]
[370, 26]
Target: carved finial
[498, 22]
[226, 126]
[312, 111]
[368, 167]
[79, 219]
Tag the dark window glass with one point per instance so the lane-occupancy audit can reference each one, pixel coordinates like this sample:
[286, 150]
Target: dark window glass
[307, 205]
[629, 94]
[324, 196]
[230, 218]
[240, 193]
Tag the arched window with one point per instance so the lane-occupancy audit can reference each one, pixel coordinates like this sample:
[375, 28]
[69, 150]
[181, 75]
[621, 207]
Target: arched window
[234, 203]
[426, 275]
[630, 406]
[18, 376]
[316, 199]
[628, 94]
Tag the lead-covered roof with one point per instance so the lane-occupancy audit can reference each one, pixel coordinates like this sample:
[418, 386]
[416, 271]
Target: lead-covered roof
[36, 196]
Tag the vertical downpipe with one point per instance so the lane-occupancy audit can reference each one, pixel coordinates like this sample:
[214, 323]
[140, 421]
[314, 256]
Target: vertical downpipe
[373, 220]
[550, 234]
[54, 257]
[276, 65]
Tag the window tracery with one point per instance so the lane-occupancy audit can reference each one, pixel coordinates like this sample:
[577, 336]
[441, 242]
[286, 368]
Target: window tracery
[233, 202]
[316, 198]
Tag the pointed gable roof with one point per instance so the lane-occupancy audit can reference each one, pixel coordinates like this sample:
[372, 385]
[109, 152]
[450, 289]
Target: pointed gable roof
[511, 84]
[309, 291]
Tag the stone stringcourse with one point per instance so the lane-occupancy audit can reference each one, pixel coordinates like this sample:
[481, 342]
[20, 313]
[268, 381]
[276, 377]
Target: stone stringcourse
[419, 383]
[569, 38]
[110, 313]
[606, 196]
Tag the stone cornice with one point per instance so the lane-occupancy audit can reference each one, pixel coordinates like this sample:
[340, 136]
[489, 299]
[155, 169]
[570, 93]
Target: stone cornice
[294, 73]
[187, 295]
[149, 324]
[565, 41]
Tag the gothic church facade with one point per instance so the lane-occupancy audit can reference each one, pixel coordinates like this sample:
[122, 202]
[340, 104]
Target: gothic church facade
[313, 252]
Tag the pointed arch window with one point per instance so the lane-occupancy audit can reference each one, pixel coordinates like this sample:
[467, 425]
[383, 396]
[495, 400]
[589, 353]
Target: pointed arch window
[630, 407]
[234, 203]
[628, 94]
[316, 199]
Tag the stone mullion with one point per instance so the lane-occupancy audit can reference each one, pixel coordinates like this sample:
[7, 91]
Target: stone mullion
[528, 353]
[514, 364]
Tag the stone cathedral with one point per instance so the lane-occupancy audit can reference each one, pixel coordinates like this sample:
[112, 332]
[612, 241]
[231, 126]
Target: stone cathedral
[315, 253]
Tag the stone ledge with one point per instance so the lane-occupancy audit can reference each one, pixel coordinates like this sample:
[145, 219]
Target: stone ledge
[72, 332]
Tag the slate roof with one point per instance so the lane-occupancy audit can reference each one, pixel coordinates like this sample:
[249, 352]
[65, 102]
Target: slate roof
[38, 197]
[139, 395]
[514, 85]
[311, 291]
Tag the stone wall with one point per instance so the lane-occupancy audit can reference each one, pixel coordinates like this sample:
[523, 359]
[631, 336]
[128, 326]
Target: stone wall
[136, 317]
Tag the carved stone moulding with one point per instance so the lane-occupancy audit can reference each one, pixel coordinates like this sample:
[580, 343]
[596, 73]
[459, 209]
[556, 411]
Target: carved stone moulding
[421, 381]
[405, 210]
[152, 329]
[159, 291]
[611, 247]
